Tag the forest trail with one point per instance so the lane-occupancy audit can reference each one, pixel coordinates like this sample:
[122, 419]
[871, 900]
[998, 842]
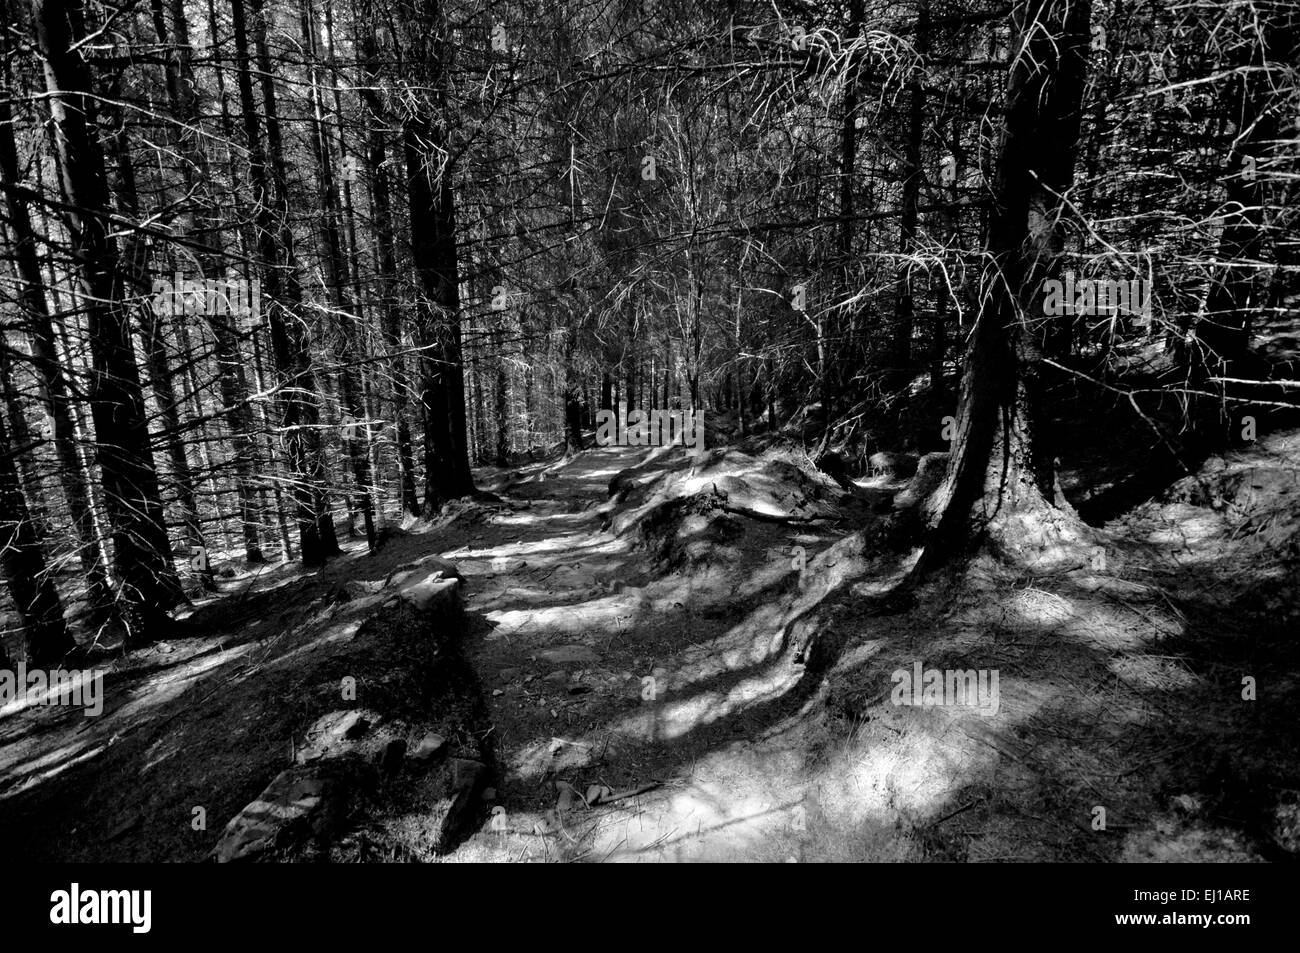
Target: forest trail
[621, 650]
[590, 663]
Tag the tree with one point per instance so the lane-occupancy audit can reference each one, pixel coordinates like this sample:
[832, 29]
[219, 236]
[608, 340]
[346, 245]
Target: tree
[433, 251]
[30, 583]
[142, 557]
[203, 227]
[35, 312]
[1001, 480]
[299, 412]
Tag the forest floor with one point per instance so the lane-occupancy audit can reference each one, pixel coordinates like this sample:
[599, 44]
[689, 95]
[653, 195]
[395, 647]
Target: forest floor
[658, 654]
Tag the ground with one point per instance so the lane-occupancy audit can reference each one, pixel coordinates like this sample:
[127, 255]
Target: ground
[662, 654]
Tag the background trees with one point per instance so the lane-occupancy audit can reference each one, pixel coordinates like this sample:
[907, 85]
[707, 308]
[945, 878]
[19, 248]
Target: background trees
[472, 225]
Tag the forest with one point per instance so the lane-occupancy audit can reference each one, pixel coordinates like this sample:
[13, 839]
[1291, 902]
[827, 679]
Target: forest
[595, 430]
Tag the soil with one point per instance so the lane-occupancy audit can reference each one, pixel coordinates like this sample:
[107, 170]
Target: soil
[700, 668]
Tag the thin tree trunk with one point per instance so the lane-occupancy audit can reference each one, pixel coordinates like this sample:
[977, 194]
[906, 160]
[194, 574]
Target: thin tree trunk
[382, 219]
[299, 412]
[904, 303]
[338, 283]
[205, 228]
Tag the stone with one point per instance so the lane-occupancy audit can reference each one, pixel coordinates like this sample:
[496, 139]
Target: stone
[468, 779]
[431, 748]
[390, 755]
[301, 802]
[433, 593]
[361, 588]
[335, 733]
[436, 565]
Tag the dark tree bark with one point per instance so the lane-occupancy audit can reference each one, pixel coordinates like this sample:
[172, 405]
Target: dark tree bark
[502, 396]
[841, 325]
[1239, 292]
[154, 345]
[1001, 481]
[31, 587]
[45, 358]
[572, 423]
[142, 556]
[904, 301]
[377, 118]
[434, 255]
[204, 228]
[338, 284]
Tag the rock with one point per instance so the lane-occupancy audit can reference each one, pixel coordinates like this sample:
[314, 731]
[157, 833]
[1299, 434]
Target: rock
[433, 593]
[303, 801]
[390, 755]
[929, 474]
[436, 565]
[573, 653]
[567, 796]
[895, 466]
[334, 734]
[467, 781]
[361, 588]
[432, 747]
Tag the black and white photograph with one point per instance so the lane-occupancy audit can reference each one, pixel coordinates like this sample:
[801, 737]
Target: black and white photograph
[650, 431]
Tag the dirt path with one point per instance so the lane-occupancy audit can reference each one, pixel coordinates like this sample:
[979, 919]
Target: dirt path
[651, 675]
[603, 674]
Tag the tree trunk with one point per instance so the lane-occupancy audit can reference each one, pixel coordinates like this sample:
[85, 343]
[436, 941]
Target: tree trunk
[45, 357]
[434, 256]
[299, 412]
[338, 283]
[205, 229]
[142, 556]
[502, 395]
[382, 219]
[154, 345]
[27, 576]
[1001, 482]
